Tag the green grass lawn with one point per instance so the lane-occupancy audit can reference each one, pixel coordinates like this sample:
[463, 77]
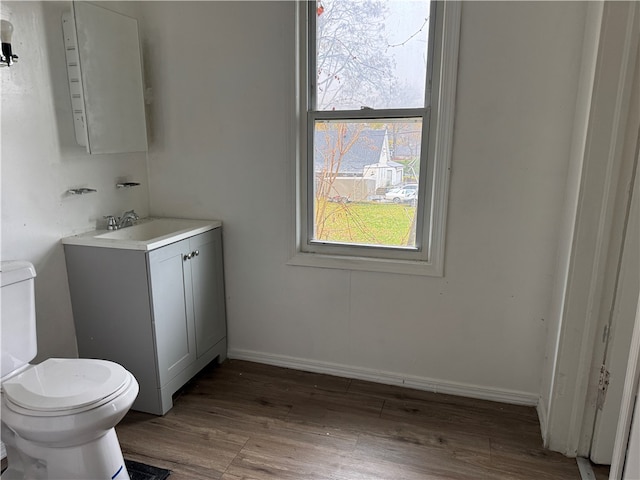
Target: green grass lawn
[365, 223]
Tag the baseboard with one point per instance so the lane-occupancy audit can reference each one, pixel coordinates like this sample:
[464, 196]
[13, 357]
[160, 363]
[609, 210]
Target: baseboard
[388, 378]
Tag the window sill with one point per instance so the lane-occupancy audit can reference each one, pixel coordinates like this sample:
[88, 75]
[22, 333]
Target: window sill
[404, 267]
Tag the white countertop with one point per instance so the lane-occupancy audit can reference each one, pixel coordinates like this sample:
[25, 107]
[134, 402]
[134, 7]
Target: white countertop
[147, 234]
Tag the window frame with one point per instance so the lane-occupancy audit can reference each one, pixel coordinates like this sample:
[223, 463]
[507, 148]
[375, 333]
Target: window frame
[428, 256]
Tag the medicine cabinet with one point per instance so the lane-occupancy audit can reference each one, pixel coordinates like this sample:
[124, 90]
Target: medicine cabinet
[104, 68]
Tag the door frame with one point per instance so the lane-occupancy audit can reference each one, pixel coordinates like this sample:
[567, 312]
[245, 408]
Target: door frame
[609, 55]
[632, 380]
[618, 314]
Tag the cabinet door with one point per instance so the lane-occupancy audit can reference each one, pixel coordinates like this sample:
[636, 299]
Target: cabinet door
[208, 290]
[170, 278]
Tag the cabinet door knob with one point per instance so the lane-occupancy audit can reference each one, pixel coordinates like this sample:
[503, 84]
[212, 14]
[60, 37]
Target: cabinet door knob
[196, 253]
[187, 256]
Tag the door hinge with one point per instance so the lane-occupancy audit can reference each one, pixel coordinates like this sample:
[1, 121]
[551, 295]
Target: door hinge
[603, 385]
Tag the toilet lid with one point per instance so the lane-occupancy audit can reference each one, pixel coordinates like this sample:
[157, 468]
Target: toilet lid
[65, 384]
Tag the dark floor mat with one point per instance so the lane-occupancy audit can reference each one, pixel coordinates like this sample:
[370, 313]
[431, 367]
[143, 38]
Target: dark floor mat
[141, 471]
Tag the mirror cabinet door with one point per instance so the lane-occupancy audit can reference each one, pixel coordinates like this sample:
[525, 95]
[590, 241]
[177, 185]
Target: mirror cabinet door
[111, 69]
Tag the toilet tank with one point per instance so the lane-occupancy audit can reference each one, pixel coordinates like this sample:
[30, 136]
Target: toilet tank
[18, 315]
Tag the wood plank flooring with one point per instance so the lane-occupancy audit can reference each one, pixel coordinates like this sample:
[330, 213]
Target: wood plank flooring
[243, 420]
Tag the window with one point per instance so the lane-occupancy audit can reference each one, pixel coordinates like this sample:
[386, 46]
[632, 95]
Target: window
[377, 85]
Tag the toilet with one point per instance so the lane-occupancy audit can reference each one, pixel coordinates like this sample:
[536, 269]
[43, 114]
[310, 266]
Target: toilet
[57, 417]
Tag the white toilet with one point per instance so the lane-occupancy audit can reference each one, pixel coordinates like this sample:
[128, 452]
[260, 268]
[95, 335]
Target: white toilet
[58, 417]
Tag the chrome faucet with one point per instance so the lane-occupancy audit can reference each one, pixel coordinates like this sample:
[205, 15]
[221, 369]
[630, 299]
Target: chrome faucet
[127, 219]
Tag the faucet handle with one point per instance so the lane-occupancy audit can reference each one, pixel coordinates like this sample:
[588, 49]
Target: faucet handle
[112, 224]
[130, 213]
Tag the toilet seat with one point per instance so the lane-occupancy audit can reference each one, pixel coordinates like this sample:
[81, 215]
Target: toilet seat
[60, 386]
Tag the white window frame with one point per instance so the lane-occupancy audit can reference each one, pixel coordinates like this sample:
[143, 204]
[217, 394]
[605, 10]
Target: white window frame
[428, 257]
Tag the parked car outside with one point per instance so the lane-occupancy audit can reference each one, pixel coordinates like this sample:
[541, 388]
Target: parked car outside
[401, 195]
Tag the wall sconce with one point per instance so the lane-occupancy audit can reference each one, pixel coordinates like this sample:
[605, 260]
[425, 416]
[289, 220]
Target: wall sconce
[6, 31]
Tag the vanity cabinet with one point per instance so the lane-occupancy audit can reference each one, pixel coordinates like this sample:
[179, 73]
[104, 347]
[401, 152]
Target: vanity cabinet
[159, 313]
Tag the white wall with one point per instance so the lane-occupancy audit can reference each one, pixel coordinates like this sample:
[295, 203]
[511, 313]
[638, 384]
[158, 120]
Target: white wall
[222, 78]
[40, 161]
[222, 75]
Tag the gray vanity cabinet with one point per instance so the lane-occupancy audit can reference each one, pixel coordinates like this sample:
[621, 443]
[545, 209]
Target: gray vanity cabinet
[160, 314]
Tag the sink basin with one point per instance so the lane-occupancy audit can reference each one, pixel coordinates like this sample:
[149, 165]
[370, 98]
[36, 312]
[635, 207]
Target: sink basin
[146, 234]
[148, 230]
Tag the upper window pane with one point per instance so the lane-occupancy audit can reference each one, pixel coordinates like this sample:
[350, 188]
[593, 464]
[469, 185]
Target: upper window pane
[371, 53]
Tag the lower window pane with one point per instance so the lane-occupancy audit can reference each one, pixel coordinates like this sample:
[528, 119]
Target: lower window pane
[365, 181]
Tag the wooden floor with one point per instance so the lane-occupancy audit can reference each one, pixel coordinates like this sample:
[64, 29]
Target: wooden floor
[244, 420]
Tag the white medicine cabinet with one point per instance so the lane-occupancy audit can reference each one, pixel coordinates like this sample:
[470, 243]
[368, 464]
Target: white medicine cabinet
[104, 67]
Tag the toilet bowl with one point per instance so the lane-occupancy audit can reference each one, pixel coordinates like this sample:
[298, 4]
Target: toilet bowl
[57, 417]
